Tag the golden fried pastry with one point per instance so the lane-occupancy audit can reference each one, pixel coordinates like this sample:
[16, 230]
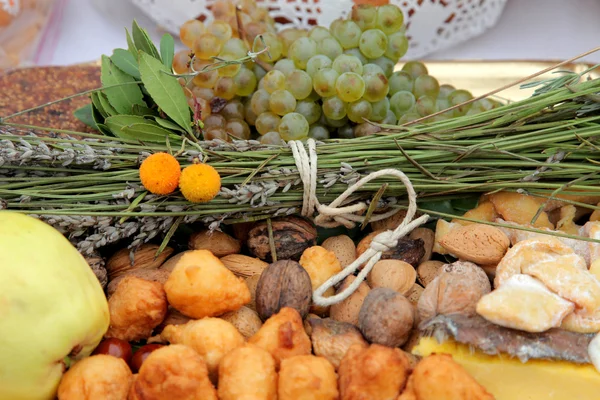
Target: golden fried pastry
[212, 338]
[520, 208]
[136, 308]
[374, 373]
[201, 286]
[439, 377]
[582, 322]
[283, 335]
[173, 372]
[248, 373]
[307, 378]
[99, 377]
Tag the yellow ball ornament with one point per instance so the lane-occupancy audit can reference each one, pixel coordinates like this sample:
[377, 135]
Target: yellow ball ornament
[199, 183]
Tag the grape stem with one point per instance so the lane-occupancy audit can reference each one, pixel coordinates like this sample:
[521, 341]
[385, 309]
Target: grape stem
[242, 34]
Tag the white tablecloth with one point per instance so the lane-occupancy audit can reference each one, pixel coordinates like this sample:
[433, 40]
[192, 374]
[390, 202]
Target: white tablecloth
[527, 30]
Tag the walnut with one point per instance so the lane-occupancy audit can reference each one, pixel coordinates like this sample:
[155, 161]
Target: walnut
[291, 235]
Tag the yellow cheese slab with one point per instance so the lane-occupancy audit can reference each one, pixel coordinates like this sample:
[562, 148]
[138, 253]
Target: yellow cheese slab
[507, 378]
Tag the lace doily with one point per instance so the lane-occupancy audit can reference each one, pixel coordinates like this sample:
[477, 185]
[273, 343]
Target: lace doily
[431, 25]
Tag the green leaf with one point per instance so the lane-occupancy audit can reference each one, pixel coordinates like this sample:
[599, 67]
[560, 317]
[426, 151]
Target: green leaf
[120, 97]
[95, 96]
[130, 45]
[165, 90]
[126, 62]
[85, 115]
[104, 129]
[143, 111]
[142, 41]
[167, 50]
[165, 123]
[134, 127]
[106, 106]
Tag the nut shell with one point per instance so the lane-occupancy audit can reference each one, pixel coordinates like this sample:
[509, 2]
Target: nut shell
[428, 270]
[407, 250]
[143, 258]
[291, 235]
[428, 238]
[343, 247]
[414, 294]
[348, 309]
[478, 243]
[252, 282]
[245, 320]
[283, 284]
[332, 339]
[217, 242]
[153, 275]
[386, 317]
[393, 274]
[244, 266]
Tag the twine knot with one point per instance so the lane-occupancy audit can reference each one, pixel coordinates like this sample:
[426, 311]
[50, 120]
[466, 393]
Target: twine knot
[334, 214]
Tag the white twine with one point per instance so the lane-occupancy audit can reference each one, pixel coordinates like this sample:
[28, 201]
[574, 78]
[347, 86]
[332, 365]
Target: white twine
[333, 215]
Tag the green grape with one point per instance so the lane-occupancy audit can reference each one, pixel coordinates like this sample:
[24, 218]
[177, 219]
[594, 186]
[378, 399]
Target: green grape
[376, 87]
[190, 31]
[245, 81]
[336, 123]
[313, 96]
[365, 129]
[373, 43]
[220, 29]
[231, 69]
[324, 82]
[426, 85]
[318, 132]
[401, 80]
[293, 126]
[225, 88]
[445, 91]
[356, 53]
[335, 26]
[299, 84]
[458, 97]
[443, 104]
[345, 131]
[334, 108]
[386, 65]
[207, 46]
[236, 47]
[390, 118]
[329, 47]
[397, 46]
[222, 9]
[365, 16]
[238, 128]
[261, 84]
[350, 87]
[285, 65]
[346, 63]
[408, 117]
[249, 114]
[426, 105]
[181, 61]
[390, 18]
[289, 36]
[380, 109]
[204, 79]
[214, 121]
[260, 101]
[358, 110]
[474, 111]
[258, 71]
[317, 62]
[319, 33]
[267, 122]
[275, 47]
[302, 50]
[482, 105]
[274, 80]
[310, 110]
[203, 93]
[271, 138]
[371, 69]
[282, 102]
[233, 109]
[401, 102]
[348, 34]
[216, 133]
[415, 69]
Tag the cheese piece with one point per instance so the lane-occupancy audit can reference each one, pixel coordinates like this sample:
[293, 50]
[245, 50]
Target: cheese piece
[507, 378]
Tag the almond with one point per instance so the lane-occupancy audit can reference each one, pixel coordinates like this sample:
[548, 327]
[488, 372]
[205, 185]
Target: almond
[244, 266]
[478, 243]
[393, 274]
[427, 271]
[217, 242]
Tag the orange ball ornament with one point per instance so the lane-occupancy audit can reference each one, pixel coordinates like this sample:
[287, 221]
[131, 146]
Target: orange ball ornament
[160, 173]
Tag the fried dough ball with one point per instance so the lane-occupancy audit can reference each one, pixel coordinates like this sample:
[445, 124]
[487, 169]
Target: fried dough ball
[439, 377]
[283, 335]
[136, 308]
[173, 372]
[307, 378]
[201, 286]
[212, 338]
[99, 377]
[375, 373]
[248, 373]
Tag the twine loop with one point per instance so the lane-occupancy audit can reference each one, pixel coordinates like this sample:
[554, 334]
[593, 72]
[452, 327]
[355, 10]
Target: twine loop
[334, 214]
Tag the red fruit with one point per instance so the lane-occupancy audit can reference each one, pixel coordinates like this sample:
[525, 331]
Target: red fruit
[116, 348]
[140, 356]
